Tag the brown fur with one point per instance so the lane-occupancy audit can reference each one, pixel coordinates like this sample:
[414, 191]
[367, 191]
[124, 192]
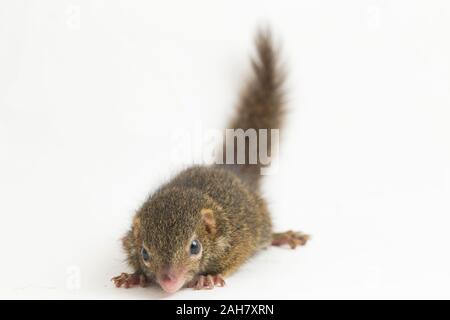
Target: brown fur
[220, 204]
[261, 104]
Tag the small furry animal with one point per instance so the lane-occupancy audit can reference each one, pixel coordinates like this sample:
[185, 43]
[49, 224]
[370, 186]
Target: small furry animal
[207, 221]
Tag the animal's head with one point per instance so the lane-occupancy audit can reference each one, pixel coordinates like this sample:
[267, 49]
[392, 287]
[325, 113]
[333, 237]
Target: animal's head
[172, 234]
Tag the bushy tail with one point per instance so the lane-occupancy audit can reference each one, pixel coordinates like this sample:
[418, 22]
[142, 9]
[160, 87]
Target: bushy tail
[261, 106]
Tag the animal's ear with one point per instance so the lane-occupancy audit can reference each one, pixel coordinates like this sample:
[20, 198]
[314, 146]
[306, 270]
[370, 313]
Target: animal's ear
[136, 229]
[209, 220]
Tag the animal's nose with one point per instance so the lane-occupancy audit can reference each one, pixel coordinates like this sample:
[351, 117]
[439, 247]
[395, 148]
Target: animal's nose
[169, 273]
[168, 276]
[171, 279]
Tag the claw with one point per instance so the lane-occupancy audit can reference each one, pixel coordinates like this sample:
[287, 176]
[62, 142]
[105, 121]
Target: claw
[207, 282]
[130, 280]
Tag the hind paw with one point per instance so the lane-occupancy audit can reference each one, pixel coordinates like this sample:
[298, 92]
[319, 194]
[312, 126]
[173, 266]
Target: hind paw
[291, 238]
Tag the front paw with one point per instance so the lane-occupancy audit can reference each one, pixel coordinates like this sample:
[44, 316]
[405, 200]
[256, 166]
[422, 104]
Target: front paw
[129, 280]
[208, 282]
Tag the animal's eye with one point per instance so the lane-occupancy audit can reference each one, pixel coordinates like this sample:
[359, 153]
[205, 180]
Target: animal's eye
[145, 254]
[195, 247]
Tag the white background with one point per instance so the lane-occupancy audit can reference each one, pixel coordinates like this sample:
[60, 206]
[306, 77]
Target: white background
[91, 92]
